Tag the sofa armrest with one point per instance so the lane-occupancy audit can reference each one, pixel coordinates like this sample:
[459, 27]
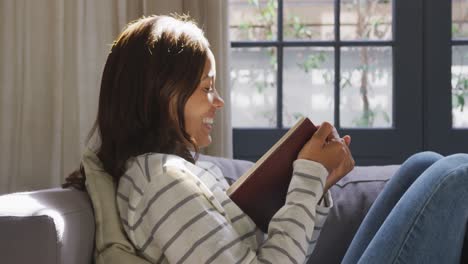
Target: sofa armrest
[47, 226]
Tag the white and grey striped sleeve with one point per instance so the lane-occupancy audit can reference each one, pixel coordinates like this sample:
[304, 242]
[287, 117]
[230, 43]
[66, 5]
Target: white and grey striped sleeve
[175, 221]
[294, 229]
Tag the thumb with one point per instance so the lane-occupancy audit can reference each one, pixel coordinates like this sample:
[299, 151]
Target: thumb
[347, 139]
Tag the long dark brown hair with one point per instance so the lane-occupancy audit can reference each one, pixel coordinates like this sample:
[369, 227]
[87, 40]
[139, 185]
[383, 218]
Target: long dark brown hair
[154, 66]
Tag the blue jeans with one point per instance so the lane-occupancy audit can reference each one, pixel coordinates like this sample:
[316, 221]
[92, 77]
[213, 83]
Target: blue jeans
[420, 216]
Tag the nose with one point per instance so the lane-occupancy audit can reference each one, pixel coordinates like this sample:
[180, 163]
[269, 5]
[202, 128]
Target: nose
[218, 102]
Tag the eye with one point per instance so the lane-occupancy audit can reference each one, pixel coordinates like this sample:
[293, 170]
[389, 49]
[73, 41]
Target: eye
[208, 89]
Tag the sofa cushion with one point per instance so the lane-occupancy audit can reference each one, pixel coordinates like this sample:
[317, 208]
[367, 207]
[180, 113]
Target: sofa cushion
[352, 196]
[232, 168]
[112, 245]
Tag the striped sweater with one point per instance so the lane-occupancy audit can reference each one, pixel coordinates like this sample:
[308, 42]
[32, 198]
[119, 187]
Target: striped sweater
[176, 212]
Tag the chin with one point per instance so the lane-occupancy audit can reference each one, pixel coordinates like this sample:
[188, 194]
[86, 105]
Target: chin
[205, 143]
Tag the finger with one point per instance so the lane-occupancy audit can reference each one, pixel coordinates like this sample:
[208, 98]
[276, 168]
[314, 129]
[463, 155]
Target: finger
[323, 132]
[347, 139]
[333, 135]
[339, 140]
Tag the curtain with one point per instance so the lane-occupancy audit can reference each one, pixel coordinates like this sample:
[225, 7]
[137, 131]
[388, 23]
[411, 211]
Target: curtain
[52, 53]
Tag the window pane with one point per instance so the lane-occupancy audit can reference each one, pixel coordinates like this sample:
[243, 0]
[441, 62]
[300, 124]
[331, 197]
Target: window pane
[460, 18]
[308, 77]
[253, 19]
[253, 83]
[309, 20]
[460, 86]
[366, 87]
[366, 20]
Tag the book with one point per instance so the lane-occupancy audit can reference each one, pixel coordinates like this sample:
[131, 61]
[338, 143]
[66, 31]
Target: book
[261, 191]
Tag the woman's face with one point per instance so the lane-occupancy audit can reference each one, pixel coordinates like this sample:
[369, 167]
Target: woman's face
[200, 109]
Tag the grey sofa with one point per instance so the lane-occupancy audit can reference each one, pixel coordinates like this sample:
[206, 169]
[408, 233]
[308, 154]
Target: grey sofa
[57, 225]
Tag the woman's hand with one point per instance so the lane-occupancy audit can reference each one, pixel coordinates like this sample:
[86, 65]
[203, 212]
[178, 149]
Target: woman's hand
[327, 148]
[346, 165]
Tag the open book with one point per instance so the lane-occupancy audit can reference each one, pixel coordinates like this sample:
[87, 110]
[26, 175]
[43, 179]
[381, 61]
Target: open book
[262, 190]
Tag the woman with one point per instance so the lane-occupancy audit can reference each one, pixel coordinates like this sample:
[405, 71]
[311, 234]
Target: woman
[156, 109]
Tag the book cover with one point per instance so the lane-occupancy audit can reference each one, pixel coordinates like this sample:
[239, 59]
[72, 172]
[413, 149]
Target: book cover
[262, 190]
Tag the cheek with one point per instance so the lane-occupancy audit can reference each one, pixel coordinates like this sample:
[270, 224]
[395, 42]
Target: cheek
[190, 114]
[210, 98]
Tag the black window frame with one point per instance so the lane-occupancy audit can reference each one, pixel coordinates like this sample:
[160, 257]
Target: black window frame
[370, 146]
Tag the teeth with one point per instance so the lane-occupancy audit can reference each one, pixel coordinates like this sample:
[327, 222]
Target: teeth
[208, 120]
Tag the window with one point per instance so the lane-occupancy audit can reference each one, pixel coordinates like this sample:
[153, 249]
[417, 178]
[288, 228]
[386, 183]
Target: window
[459, 65]
[446, 78]
[358, 64]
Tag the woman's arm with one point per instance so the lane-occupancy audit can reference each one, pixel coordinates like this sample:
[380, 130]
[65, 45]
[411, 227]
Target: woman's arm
[175, 220]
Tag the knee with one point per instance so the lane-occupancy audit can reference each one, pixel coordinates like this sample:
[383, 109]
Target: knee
[414, 166]
[425, 158]
[459, 158]
[456, 164]
[452, 170]
[456, 179]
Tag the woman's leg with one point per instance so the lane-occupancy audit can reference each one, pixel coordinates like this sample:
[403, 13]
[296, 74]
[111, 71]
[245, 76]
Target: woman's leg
[428, 224]
[390, 195]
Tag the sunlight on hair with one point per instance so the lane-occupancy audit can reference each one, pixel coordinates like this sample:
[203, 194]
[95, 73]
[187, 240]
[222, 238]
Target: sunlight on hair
[21, 204]
[179, 27]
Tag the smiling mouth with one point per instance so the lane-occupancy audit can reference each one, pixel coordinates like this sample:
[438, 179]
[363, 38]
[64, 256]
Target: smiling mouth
[208, 121]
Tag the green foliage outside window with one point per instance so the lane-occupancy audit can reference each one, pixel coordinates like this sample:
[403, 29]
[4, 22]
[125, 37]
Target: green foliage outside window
[459, 91]
[366, 25]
